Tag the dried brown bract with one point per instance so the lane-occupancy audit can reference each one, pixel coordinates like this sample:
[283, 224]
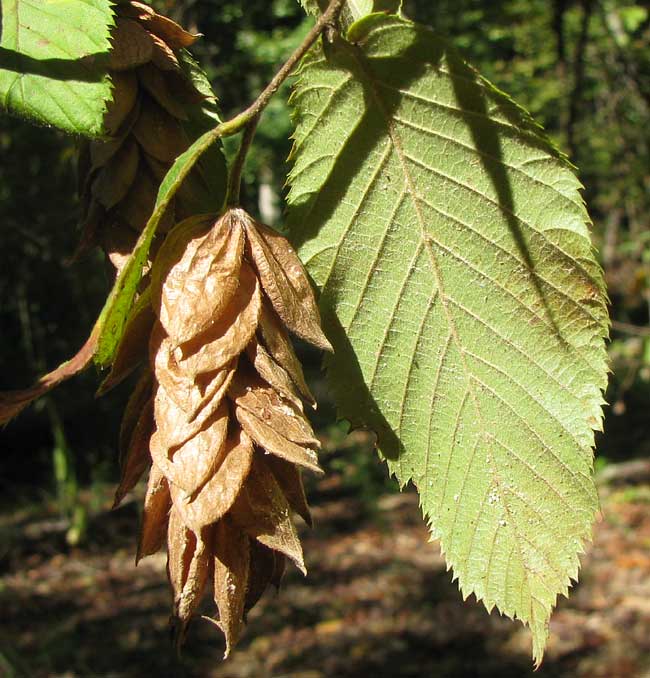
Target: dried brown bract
[219, 413]
[154, 101]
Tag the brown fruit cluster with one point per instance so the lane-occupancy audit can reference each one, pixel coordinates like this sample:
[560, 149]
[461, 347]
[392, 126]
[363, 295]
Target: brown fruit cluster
[219, 412]
[155, 114]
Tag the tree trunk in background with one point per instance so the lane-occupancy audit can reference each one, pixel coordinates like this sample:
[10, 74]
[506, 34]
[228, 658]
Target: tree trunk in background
[578, 78]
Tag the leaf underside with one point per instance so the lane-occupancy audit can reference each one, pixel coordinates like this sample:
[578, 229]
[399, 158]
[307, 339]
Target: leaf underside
[463, 300]
[53, 62]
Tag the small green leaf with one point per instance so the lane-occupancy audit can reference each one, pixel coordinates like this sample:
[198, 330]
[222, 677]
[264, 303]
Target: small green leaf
[463, 299]
[53, 62]
[196, 75]
[120, 301]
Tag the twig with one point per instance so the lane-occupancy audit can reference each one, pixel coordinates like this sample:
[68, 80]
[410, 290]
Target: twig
[247, 120]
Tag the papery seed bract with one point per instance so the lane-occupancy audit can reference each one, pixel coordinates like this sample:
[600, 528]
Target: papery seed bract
[232, 561]
[155, 514]
[262, 511]
[214, 499]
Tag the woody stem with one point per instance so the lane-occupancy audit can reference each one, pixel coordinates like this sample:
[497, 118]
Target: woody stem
[248, 119]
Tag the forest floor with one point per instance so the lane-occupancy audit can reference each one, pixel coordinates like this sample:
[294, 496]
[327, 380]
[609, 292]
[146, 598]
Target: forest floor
[377, 602]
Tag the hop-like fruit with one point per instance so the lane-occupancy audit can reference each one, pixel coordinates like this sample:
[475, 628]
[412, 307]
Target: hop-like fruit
[218, 412]
[155, 114]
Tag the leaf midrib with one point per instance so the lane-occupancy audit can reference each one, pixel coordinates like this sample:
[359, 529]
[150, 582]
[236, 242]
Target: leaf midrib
[483, 434]
[427, 239]
[533, 274]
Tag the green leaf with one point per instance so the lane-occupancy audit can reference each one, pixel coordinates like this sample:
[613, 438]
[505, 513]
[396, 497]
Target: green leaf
[463, 300]
[208, 111]
[53, 62]
[115, 313]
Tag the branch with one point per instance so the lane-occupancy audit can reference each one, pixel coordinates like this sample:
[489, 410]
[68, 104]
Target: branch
[248, 119]
[559, 11]
[245, 120]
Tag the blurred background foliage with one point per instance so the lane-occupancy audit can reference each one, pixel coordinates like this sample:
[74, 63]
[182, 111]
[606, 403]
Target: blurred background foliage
[582, 67]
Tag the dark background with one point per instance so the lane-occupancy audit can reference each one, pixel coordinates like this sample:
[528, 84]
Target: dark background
[583, 70]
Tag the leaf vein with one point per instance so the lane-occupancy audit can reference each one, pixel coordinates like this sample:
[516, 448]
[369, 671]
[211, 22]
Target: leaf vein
[513, 257]
[574, 261]
[476, 151]
[372, 270]
[508, 342]
[412, 359]
[364, 195]
[392, 316]
[514, 382]
[434, 395]
[454, 433]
